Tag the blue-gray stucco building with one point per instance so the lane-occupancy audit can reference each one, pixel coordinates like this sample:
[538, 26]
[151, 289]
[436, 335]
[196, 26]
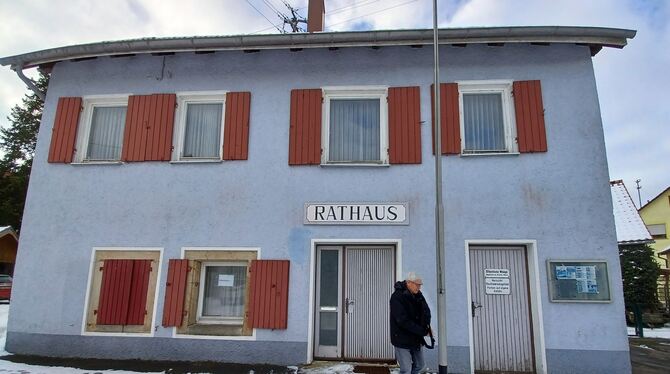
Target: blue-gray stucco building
[253, 199]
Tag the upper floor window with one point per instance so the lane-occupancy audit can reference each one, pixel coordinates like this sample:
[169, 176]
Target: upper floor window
[355, 126]
[101, 129]
[487, 117]
[657, 231]
[199, 130]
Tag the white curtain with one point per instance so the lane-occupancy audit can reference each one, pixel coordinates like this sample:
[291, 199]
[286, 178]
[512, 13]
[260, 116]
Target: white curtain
[202, 135]
[483, 122]
[354, 130]
[106, 135]
[224, 297]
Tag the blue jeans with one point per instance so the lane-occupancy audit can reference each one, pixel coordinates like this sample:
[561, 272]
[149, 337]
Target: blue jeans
[409, 360]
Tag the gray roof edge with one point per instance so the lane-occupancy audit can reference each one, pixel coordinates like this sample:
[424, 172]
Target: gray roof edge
[601, 36]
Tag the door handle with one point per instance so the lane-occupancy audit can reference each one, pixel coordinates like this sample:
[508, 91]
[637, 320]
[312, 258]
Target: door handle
[474, 307]
[348, 302]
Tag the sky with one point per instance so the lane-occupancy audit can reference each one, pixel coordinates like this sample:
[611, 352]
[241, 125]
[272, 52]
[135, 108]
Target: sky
[632, 83]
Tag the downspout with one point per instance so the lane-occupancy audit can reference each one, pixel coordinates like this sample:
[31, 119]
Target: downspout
[29, 82]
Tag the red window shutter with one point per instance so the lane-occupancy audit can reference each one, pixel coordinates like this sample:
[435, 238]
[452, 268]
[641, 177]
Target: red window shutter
[268, 296]
[175, 291]
[404, 111]
[305, 131]
[529, 116]
[236, 128]
[450, 125]
[64, 132]
[137, 305]
[148, 132]
[114, 292]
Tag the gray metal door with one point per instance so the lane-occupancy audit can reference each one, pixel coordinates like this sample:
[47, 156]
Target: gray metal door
[368, 287]
[500, 308]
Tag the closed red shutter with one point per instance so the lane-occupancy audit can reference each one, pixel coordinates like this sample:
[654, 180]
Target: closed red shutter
[148, 132]
[305, 130]
[450, 125]
[137, 306]
[114, 292]
[236, 130]
[64, 132]
[268, 296]
[404, 111]
[175, 291]
[123, 292]
[529, 116]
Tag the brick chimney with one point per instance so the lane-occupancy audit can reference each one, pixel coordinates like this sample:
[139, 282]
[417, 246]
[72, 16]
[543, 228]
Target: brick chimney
[316, 13]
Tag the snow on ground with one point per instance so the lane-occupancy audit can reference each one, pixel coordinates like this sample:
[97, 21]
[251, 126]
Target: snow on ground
[663, 332]
[7, 367]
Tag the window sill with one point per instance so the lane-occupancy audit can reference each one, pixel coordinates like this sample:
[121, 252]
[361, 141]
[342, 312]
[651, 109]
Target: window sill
[209, 322]
[490, 154]
[178, 162]
[346, 165]
[97, 163]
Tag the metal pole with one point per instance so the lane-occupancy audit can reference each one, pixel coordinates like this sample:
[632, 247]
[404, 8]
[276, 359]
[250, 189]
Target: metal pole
[639, 197]
[439, 209]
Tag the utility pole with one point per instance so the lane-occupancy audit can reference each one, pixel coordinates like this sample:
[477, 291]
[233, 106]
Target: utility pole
[294, 19]
[439, 208]
[639, 198]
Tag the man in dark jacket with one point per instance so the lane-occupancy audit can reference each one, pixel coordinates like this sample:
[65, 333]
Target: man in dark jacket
[410, 322]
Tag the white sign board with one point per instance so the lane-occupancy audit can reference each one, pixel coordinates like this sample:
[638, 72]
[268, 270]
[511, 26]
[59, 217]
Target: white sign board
[497, 289]
[356, 214]
[226, 280]
[497, 281]
[496, 273]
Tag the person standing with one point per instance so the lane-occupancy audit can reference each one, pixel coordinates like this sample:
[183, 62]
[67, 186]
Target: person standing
[410, 322]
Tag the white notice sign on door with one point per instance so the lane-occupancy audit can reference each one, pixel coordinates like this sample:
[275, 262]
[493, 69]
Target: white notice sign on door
[497, 280]
[496, 273]
[497, 289]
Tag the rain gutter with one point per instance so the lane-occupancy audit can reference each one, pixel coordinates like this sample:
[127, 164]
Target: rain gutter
[594, 37]
[29, 82]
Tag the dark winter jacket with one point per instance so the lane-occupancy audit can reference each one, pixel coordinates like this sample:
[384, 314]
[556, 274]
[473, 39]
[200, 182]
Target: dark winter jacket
[410, 317]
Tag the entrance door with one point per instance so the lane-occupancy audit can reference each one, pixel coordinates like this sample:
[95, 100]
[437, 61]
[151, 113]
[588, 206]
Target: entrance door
[354, 284]
[500, 308]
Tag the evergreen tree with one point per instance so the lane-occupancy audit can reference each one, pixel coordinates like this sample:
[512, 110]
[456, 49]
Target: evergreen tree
[640, 274]
[17, 147]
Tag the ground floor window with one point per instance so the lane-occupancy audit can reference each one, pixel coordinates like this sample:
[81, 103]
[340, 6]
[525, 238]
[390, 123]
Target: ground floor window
[216, 300]
[122, 290]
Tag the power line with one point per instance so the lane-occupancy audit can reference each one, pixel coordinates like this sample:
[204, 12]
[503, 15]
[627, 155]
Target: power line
[352, 6]
[261, 13]
[369, 14]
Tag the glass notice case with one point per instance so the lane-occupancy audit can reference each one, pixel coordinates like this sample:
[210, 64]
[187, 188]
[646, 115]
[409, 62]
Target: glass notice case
[578, 281]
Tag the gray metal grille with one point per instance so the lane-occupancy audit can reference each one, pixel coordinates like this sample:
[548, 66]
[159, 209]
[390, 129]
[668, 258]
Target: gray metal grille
[501, 326]
[369, 283]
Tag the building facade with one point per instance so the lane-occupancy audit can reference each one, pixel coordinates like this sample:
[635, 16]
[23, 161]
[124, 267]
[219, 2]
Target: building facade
[253, 199]
[656, 215]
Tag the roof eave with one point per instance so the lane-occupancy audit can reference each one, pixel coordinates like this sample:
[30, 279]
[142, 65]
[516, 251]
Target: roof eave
[594, 37]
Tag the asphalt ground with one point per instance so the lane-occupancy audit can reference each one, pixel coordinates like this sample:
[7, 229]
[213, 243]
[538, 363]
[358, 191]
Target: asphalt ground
[650, 355]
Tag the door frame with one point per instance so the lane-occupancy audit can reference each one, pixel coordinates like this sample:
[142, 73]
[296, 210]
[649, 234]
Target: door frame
[396, 243]
[534, 292]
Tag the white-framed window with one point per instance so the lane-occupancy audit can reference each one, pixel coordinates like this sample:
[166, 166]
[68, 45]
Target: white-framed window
[487, 117]
[223, 292]
[355, 125]
[101, 128]
[199, 126]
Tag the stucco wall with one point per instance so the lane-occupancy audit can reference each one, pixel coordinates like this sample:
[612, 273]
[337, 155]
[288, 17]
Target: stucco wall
[560, 198]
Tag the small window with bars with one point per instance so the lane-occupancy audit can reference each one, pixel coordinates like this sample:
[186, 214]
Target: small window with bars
[487, 117]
